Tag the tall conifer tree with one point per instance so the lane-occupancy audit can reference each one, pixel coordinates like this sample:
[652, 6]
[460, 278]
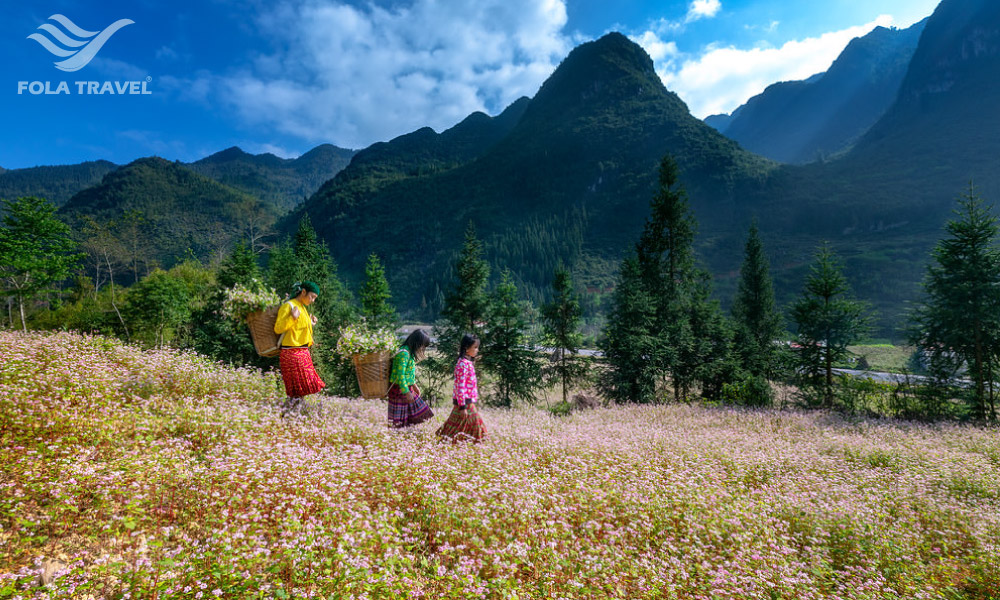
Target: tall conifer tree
[465, 303]
[692, 334]
[756, 317]
[828, 320]
[628, 343]
[507, 349]
[958, 324]
[561, 328]
[375, 295]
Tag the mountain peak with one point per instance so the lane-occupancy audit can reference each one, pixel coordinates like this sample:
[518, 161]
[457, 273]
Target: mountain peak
[601, 75]
[612, 51]
[231, 153]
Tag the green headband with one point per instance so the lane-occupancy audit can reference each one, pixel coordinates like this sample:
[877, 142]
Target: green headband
[307, 286]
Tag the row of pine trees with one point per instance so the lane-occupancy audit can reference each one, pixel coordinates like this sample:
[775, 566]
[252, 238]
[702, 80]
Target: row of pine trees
[665, 338]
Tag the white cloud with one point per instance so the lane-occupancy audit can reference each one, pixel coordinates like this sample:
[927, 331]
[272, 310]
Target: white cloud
[354, 75]
[703, 9]
[663, 53]
[258, 148]
[722, 78]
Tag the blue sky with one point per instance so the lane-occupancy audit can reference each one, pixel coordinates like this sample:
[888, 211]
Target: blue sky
[283, 76]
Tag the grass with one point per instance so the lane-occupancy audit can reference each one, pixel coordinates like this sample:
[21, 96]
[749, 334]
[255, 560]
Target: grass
[884, 357]
[162, 475]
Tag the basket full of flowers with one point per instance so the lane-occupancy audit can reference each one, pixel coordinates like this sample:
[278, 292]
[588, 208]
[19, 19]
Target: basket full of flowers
[371, 352]
[258, 306]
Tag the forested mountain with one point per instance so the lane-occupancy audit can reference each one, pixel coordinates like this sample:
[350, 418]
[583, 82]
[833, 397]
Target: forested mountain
[283, 182]
[56, 184]
[175, 211]
[885, 203]
[572, 179]
[567, 176]
[803, 121]
[421, 153]
[569, 180]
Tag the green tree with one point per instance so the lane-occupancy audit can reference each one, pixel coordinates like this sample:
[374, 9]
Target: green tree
[827, 321]
[757, 320]
[507, 350]
[958, 323]
[308, 258]
[628, 343]
[690, 330]
[375, 295]
[709, 358]
[465, 304]
[36, 250]
[240, 267]
[561, 330]
[158, 302]
[221, 338]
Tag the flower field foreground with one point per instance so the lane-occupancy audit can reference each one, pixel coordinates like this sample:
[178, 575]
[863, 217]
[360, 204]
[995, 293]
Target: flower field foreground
[161, 475]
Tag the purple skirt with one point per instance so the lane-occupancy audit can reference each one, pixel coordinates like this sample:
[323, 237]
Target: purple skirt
[403, 413]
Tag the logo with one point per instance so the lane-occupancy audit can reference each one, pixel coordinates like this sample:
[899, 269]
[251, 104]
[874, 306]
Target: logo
[72, 43]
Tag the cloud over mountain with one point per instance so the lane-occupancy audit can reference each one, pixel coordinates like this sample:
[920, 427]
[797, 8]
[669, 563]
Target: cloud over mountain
[359, 74]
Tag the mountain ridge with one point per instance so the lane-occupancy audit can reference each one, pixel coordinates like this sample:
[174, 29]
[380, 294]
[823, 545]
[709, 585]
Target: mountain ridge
[802, 121]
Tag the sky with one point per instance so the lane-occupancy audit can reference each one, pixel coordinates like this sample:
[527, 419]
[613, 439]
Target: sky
[283, 76]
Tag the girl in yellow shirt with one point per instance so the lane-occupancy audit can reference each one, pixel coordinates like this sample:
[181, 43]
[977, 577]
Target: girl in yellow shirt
[295, 325]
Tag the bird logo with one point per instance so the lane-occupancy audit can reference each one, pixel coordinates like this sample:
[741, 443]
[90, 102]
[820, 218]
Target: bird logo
[72, 43]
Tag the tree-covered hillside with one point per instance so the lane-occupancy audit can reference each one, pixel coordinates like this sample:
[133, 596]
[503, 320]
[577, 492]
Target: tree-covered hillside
[175, 211]
[56, 183]
[283, 182]
[569, 181]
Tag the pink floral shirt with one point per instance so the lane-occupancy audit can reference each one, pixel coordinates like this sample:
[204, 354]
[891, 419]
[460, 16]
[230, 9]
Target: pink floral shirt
[465, 383]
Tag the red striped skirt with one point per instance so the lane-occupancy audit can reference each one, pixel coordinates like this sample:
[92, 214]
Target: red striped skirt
[403, 413]
[468, 426]
[298, 373]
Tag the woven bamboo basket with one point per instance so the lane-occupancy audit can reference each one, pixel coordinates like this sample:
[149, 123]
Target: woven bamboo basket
[373, 373]
[265, 341]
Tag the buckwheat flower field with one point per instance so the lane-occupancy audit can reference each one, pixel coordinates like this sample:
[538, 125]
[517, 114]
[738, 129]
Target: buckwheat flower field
[157, 474]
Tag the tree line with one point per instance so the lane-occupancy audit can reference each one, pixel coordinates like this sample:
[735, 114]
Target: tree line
[665, 338]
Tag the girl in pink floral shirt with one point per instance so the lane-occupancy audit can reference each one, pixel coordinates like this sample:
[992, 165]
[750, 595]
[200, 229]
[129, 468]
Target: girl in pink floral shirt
[464, 423]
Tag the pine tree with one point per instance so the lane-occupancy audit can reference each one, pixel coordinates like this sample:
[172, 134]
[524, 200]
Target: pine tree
[375, 295]
[689, 328]
[465, 304]
[827, 320]
[307, 258]
[507, 351]
[628, 343]
[755, 314]
[561, 330]
[958, 323]
[36, 250]
[709, 359]
[240, 267]
[220, 338]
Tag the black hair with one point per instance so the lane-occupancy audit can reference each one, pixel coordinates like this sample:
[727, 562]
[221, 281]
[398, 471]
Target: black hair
[468, 340]
[417, 342]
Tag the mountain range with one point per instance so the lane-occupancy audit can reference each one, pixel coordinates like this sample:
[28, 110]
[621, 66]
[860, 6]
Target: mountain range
[803, 121]
[567, 176]
[283, 182]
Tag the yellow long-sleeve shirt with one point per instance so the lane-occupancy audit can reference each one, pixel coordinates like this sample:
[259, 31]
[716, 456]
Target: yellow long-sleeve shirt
[298, 332]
